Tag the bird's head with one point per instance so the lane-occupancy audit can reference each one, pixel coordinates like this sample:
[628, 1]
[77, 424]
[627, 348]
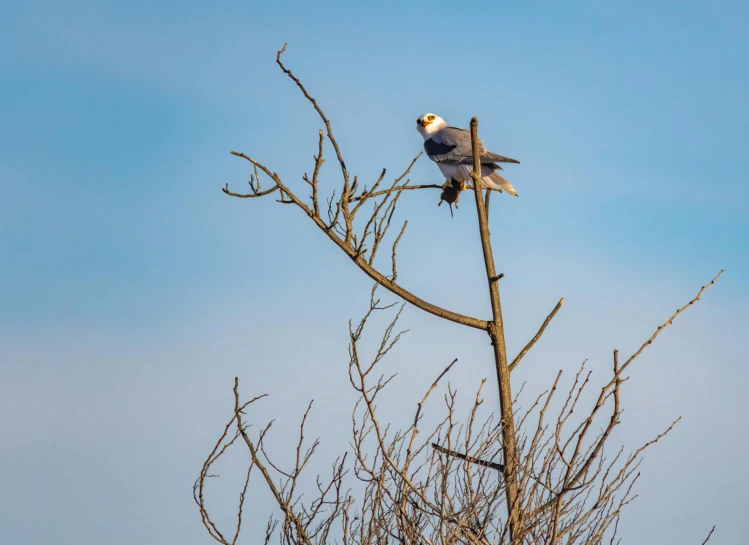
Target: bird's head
[429, 123]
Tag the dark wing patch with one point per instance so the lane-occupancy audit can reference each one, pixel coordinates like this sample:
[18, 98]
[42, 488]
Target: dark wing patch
[437, 148]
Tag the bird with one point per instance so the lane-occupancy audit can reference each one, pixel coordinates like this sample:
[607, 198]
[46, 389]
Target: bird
[450, 147]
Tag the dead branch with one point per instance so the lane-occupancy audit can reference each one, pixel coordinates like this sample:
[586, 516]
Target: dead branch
[442, 486]
[708, 535]
[460, 456]
[497, 335]
[340, 226]
[404, 187]
[530, 344]
[435, 483]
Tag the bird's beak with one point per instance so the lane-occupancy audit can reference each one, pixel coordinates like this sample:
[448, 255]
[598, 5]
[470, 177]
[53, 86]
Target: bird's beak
[424, 122]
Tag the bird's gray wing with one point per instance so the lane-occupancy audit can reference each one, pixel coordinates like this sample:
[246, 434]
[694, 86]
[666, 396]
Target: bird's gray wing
[453, 145]
[449, 145]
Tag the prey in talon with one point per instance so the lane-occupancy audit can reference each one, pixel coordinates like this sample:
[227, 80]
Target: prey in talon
[451, 193]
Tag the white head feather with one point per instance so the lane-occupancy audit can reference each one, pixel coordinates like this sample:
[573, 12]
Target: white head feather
[428, 124]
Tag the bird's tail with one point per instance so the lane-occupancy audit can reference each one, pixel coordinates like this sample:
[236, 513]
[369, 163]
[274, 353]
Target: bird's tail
[490, 179]
[501, 182]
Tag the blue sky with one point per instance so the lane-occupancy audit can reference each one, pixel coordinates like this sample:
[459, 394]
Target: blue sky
[132, 290]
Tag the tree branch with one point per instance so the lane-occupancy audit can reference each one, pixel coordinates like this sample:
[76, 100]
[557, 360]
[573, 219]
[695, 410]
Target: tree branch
[528, 346]
[344, 239]
[708, 535]
[477, 461]
[559, 487]
[497, 335]
[403, 187]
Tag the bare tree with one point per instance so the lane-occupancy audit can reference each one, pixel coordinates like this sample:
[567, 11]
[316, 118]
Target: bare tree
[523, 477]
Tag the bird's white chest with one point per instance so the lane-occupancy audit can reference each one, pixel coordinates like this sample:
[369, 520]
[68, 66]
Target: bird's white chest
[449, 171]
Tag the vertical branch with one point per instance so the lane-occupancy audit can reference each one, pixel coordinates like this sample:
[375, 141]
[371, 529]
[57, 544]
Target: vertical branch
[395, 250]
[497, 334]
[315, 180]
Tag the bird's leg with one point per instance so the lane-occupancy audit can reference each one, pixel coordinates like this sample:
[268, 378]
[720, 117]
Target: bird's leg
[458, 185]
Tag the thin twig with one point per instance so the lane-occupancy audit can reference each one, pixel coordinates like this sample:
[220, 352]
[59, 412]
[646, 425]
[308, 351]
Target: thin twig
[528, 346]
[397, 188]
[708, 535]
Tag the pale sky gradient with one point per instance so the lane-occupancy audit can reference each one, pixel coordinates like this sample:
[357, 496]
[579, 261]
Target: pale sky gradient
[132, 291]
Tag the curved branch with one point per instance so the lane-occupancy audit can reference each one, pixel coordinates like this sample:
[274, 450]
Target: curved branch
[317, 108]
[389, 285]
[249, 195]
[362, 263]
[346, 239]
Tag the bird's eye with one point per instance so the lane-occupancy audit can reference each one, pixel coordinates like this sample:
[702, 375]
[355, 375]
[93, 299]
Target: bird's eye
[430, 118]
